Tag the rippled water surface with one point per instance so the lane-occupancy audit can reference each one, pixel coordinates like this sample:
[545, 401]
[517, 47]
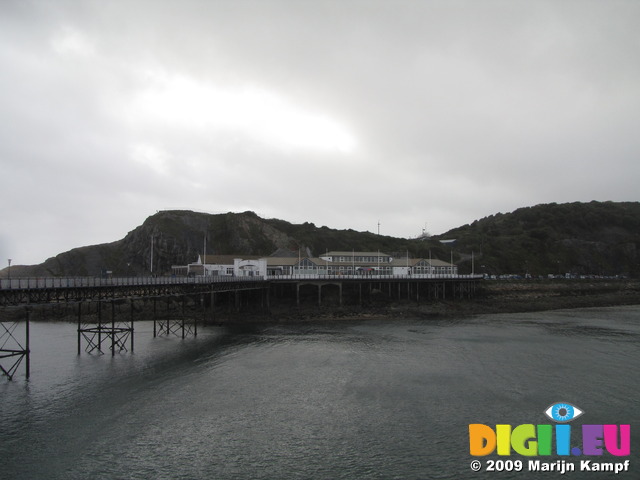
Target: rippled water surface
[351, 399]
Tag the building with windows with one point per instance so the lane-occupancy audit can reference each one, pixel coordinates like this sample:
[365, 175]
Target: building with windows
[330, 263]
[379, 263]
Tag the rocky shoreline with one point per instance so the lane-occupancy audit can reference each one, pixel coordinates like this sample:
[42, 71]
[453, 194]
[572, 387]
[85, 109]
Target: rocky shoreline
[524, 296]
[491, 297]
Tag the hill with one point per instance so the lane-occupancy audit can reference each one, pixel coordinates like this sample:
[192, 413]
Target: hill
[179, 237]
[595, 238]
[601, 238]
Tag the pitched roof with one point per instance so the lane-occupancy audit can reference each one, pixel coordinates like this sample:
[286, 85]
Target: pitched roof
[276, 261]
[227, 259]
[434, 262]
[402, 262]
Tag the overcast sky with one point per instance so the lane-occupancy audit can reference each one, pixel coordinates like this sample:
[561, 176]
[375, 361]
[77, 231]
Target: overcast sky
[342, 113]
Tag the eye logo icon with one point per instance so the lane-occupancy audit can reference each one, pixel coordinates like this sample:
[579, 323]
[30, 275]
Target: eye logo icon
[563, 412]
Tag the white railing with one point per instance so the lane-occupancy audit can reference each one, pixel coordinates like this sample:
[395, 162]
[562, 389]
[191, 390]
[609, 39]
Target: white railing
[72, 282]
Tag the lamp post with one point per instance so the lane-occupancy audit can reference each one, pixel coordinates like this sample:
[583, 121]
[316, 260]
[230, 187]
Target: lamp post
[204, 256]
[451, 267]
[297, 268]
[473, 267]
[326, 261]
[408, 269]
[9, 271]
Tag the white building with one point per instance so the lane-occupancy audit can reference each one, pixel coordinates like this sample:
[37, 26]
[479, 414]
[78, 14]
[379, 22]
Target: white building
[330, 263]
[228, 265]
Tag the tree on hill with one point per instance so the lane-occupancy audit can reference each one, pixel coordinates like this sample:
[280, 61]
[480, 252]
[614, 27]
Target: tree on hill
[596, 238]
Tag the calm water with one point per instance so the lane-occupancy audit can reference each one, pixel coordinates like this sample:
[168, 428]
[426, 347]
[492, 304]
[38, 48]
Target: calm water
[347, 400]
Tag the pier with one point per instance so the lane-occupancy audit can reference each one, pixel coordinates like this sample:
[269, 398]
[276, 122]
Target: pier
[107, 308]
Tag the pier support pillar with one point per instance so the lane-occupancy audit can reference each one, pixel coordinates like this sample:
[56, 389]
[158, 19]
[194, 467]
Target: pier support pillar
[131, 321]
[268, 294]
[155, 316]
[178, 322]
[79, 327]
[27, 349]
[12, 351]
[93, 331]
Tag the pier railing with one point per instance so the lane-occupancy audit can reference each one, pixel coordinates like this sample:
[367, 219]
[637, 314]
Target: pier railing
[74, 282]
[373, 277]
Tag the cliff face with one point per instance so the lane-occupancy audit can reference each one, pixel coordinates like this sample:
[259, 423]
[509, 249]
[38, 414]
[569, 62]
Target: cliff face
[178, 237]
[582, 238]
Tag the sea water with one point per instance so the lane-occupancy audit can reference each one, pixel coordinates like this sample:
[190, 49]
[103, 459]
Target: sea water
[390, 398]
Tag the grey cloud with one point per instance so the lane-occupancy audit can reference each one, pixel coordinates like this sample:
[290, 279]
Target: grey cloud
[459, 109]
